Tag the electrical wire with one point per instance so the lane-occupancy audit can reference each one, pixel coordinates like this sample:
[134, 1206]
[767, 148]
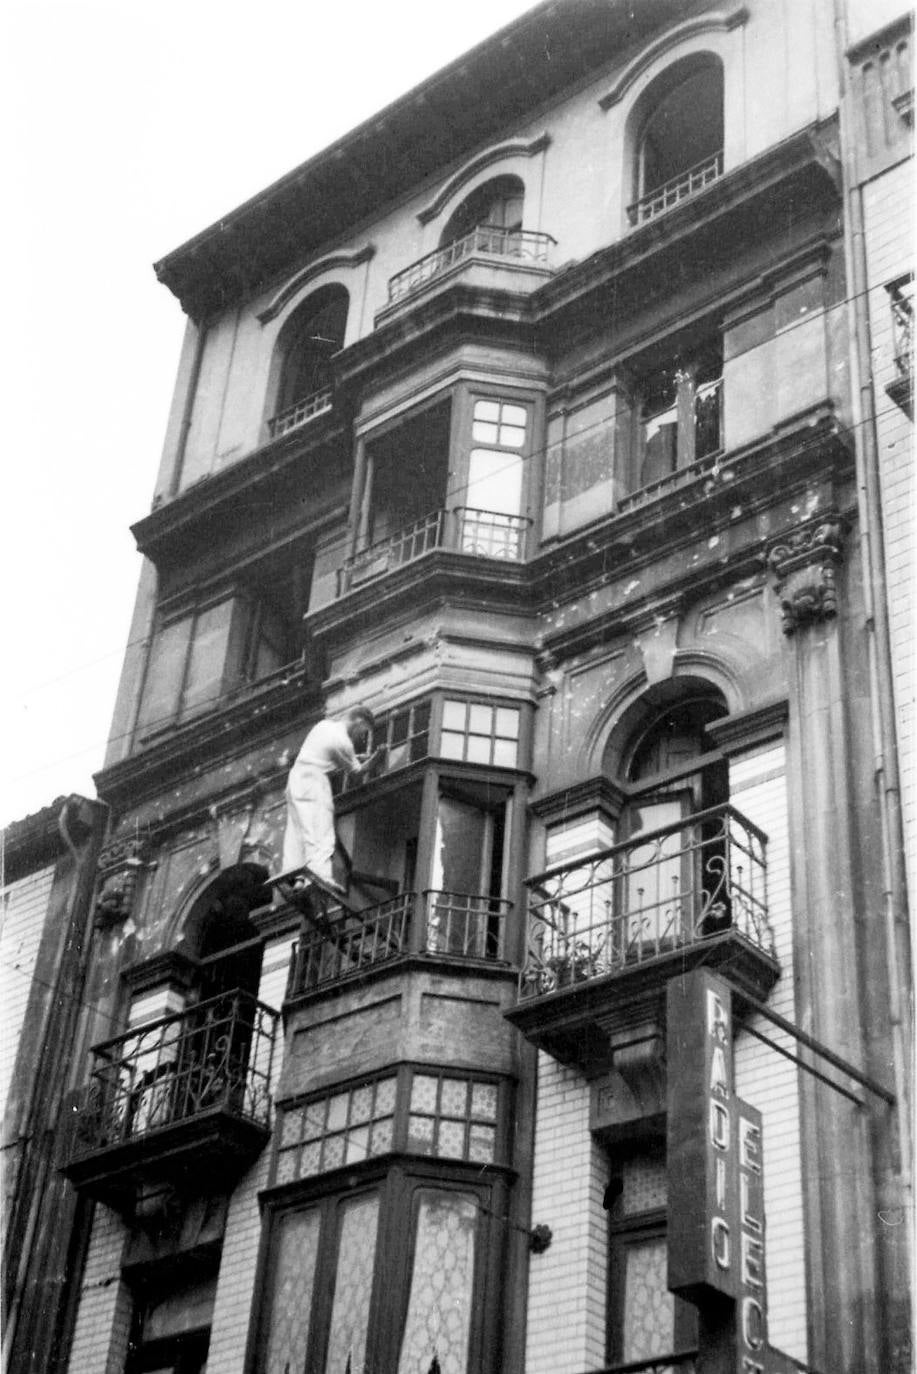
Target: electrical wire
[170, 719]
[539, 452]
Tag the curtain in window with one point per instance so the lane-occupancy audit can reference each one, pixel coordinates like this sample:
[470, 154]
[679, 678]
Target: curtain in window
[291, 1297]
[439, 1310]
[649, 1308]
[353, 1287]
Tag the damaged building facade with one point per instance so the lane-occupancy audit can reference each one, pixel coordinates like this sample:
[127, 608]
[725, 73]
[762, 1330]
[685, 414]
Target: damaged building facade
[561, 415]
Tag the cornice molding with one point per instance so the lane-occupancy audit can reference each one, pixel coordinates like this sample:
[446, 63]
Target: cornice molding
[499, 153]
[577, 800]
[330, 263]
[718, 21]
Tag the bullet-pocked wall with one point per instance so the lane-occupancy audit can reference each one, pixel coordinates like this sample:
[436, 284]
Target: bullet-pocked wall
[778, 78]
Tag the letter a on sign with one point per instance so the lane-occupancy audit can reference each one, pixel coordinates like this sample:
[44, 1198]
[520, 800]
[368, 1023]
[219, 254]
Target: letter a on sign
[703, 1258]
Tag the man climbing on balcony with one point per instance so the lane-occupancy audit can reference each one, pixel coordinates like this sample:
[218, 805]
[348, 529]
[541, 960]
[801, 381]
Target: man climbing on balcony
[330, 747]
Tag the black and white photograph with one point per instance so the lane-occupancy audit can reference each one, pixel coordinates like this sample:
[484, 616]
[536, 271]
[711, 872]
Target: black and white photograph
[457, 725]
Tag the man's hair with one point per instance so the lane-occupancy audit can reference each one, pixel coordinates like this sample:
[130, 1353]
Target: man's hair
[362, 713]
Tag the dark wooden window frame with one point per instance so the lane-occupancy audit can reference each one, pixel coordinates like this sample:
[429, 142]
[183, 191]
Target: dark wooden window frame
[398, 1180]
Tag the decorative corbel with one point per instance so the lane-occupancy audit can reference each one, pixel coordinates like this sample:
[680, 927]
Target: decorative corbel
[804, 565]
[120, 865]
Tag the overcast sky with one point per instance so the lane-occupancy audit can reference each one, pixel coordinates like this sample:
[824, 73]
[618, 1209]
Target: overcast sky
[128, 129]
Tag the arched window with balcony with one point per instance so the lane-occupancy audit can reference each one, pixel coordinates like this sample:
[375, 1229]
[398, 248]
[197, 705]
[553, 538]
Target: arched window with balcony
[676, 136]
[307, 343]
[497, 205]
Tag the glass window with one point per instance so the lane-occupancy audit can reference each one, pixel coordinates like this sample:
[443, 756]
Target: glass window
[353, 1285]
[438, 1322]
[476, 732]
[339, 1128]
[453, 1117]
[164, 675]
[645, 1319]
[207, 660]
[289, 1319]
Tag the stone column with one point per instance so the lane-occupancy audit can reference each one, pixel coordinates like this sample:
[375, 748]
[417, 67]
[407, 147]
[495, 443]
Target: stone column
[837, 1173]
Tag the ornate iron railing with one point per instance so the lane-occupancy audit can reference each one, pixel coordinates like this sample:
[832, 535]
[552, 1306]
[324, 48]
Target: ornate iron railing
[649, 896]
[301, 412]
[470, 926]
[347, 942]
[491, 534]
[402, 547]
[215, 1055]
[486, 239]
[434, 922]
[671, 193]
[902, 306]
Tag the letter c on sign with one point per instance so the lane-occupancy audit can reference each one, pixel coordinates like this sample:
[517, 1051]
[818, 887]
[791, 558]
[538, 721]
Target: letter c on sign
[752, 1324]
[719, 1236]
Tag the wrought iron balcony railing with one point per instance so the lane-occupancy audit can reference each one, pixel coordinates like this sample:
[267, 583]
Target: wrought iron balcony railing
[214, 1056]
[671, 193]
[491, 534]
[650, 896]
[301, 412]
[385, 554]
[901, 296]
[483, 533]
[456, 924]
[488, 240]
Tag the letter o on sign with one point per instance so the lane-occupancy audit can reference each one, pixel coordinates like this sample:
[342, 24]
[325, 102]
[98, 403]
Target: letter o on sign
[752, 1324]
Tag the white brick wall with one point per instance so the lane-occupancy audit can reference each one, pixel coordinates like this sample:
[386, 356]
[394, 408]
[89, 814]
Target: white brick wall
[103, 1320]
[25, 905]
[232, 1309]
[889, 228]
[757, 786]
[566, 1311]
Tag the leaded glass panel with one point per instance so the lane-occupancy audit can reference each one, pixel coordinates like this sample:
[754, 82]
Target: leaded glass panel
[353, 1286]
[649, 1308]
[439, 1309]
[296, 1248]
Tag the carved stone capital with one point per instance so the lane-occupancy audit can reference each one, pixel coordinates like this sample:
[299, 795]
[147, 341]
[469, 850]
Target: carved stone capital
[120, 864]
[804, 565]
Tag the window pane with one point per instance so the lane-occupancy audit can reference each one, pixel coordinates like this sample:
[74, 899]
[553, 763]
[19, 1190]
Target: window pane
[494, 481]
[353, 1286]
[484, 433]
[454, 1097]
[505, 753]
[454, 715]
[164, 675]
[481, 1144]
[439, 1313]
[480, 720]
[452, 746]
[484, 1101]
[296, 1247]
[361, 1103]
[204, 679]
[487, 410]
[420, 1134]
[478, 749]
[649, 1308]
[423, 1093]
[513, 415]
[337, 1112]
[451, 1142]
[507, 722]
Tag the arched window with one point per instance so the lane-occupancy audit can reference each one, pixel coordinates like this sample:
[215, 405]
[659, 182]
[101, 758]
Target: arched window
[311, 337]
[678, 148]
[498, 204]
[675, 884]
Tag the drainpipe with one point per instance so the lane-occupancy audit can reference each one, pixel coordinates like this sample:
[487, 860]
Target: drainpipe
[878, 646]
[68, 989]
